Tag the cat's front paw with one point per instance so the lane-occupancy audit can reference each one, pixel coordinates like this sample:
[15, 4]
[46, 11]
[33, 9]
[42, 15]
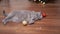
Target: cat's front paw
[31, 22]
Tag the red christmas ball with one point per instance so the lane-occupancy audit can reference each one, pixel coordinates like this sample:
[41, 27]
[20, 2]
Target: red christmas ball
[44, 14]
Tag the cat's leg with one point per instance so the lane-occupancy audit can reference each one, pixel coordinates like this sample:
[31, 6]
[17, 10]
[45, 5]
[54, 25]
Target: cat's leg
[10, 15]
[31, 20]
[5, 21]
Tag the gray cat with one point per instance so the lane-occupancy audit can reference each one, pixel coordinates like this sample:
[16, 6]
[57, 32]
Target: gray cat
[21, 15]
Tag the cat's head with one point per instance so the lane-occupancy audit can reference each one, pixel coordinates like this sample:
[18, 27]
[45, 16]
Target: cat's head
[39, 15]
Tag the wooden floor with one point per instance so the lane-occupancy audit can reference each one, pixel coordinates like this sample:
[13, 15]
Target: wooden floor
[48, 25]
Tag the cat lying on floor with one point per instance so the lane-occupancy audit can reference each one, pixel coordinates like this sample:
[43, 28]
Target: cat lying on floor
[21, 15]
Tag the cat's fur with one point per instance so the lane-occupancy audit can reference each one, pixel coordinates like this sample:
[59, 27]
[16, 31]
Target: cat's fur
[21, 15]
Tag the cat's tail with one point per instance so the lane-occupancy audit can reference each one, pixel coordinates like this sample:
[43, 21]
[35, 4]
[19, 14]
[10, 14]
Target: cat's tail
[4, 13]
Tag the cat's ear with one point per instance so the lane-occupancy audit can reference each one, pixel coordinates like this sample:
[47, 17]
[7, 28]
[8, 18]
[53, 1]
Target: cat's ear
[4, 13]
